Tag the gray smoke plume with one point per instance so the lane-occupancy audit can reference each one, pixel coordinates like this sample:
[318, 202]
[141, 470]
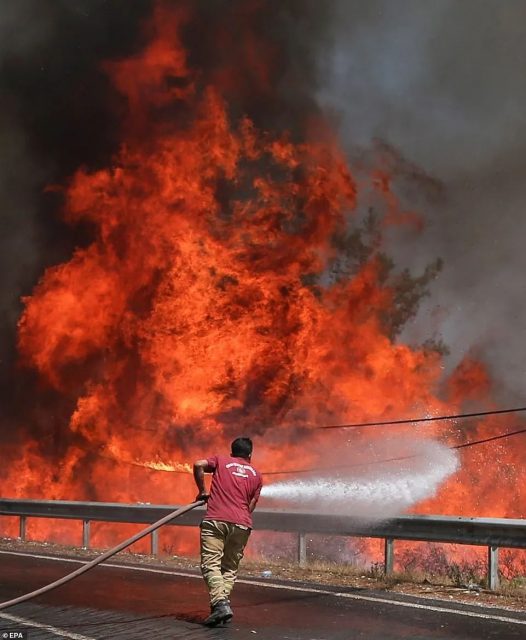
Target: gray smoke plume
[443, 83]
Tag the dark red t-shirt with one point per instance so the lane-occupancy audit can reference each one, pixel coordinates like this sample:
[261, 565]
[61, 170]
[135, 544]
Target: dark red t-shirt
[234, 484]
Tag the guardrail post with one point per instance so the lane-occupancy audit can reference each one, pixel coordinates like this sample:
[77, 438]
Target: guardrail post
[85, 534]
[22, 528]
[154, 543]
[302, 549]
[493, 568]
[389, 556]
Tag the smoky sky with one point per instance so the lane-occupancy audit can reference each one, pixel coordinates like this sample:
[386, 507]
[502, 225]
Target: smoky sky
[444, 83]
[440, 81]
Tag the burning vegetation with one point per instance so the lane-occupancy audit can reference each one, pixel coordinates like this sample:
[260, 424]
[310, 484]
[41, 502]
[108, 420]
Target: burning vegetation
[234, 281]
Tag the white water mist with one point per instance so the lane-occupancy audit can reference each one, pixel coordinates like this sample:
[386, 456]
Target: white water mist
[385, 489]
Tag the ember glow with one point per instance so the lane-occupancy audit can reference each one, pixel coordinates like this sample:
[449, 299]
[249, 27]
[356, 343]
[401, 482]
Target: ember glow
[234, 286]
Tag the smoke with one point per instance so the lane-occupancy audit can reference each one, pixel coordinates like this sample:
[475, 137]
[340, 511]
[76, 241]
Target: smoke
[443, 83]
[20, 174]
[381, 491]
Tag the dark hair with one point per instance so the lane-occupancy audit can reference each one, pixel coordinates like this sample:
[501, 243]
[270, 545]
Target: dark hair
[241, 448]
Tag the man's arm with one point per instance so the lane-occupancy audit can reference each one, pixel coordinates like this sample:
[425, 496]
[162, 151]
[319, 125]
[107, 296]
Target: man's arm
[200, 468]
[252, 504]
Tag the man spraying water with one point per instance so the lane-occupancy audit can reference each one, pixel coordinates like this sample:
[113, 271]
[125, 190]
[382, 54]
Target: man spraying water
[226, 528]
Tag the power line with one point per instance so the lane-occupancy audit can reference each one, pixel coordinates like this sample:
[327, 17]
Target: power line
[499, 437]
[415, 455]
[411, 420]
[473, 443]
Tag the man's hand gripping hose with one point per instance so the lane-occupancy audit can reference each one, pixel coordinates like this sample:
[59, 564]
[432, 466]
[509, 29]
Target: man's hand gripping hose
[103, 557]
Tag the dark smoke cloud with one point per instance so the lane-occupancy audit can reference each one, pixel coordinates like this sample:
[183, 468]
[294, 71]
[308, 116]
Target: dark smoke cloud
[444, 83]
[269, 49]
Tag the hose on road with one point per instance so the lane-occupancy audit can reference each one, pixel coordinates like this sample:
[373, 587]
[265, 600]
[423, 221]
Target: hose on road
[103, 557]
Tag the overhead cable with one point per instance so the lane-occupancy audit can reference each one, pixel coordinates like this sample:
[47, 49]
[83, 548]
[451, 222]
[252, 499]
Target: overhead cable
[356, 425]
[473, 443]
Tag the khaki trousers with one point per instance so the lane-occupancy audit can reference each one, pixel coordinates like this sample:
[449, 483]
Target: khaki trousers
[222, 547]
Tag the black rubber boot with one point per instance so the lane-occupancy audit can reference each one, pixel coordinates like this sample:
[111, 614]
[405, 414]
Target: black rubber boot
[221, 612]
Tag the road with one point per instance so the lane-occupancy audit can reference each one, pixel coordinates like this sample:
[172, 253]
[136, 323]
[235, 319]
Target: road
[139, 602]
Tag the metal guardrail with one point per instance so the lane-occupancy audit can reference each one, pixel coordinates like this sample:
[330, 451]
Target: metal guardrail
[493, 533]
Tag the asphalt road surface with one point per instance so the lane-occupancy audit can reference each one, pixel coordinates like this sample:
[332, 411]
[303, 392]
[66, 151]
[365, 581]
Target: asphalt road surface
[138, 603]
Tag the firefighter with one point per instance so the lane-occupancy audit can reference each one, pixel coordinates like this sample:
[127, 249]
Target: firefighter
[226, 527]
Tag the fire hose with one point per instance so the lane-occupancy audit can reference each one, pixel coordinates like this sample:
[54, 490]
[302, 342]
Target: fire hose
[103, 557]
